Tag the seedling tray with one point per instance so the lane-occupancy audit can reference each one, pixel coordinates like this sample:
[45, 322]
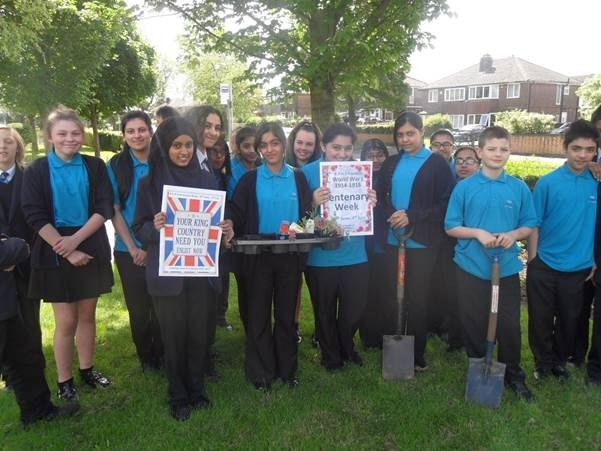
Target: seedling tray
[257, 244]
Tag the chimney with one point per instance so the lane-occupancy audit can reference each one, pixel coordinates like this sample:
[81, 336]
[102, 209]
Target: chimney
[486, 64]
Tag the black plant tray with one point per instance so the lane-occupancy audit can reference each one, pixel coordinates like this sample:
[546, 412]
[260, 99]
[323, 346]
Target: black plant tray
[270, 242]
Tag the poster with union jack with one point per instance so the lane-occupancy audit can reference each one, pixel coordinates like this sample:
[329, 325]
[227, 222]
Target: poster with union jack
[190, 240]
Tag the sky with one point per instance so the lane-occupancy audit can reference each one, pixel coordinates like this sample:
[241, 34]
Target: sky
[556, 34]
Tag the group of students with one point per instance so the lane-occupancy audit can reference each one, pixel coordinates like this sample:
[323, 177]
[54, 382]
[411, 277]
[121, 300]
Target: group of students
[456, 210]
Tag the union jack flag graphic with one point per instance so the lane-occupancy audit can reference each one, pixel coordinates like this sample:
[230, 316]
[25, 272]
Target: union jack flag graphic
[191, 237]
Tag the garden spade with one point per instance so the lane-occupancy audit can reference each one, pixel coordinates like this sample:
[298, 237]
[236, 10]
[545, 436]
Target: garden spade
[398, 350]
[485, 376]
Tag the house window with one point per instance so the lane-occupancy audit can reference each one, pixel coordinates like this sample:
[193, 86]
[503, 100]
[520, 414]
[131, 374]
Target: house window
[513, 90]
[457, 120]
[411, 96]
[454, 94]
[432, 95]
[482, 119]
[484, 92]
[558, 90]
[566, 90]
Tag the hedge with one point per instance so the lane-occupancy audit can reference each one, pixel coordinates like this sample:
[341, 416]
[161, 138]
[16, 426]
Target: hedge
[109, 140]
[25, 130]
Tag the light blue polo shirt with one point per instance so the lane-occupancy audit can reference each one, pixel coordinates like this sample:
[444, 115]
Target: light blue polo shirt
[129, 212]
[351, 250]
[277, 198]
[238, 170]
[402, 183]
[70, 190]
[566, 206]
[496, 206]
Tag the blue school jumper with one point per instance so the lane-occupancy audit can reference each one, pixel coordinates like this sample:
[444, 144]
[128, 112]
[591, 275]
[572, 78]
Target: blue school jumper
[70, 190]
[277, 198]
[351, 250]
[402, 184]
[497, 206]
[566, 206]
[129, 212]
[238, 170]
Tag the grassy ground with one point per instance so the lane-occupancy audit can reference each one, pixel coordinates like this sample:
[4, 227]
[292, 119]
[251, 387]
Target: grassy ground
[352, 409]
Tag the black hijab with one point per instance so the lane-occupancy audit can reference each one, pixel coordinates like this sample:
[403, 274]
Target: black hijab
[162, 171]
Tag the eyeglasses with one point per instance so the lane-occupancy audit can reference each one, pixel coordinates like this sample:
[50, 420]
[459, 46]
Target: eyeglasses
[469, 161]
[437, 145]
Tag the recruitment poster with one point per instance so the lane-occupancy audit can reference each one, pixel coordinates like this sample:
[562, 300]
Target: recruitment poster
[190, 240]
[348, 182]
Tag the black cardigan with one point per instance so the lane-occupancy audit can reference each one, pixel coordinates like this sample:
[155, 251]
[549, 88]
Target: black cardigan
[12, 252]
[429, 199]
[244, 207]
[38, 207]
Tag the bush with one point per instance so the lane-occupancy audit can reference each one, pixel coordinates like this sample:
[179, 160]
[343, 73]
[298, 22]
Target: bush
[255, 121]
[520, 121]
[436, 122]
[25, 130]
[530, 170]
[386, 128]
[109, 140]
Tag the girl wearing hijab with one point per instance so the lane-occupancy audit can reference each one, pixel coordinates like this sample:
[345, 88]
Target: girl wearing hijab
[181, 303]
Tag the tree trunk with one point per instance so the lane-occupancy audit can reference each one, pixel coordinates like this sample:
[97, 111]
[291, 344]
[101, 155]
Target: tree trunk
[352, 115]
[322, 102]
[35, 149]
[94, 122]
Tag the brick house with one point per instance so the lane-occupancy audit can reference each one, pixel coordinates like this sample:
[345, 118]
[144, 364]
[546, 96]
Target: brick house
[472, 95]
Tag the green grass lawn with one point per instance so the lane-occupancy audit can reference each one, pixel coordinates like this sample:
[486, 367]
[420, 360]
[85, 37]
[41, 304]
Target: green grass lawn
[351, 409]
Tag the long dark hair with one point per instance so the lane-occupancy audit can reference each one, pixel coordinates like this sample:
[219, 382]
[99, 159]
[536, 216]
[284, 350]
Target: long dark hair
[122, 164]
[197, 115]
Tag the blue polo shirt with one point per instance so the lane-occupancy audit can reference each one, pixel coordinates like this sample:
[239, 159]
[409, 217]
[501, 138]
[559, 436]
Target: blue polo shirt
[402, 183]
[70, 190]
[277, 198]
[238, 170]
[566, 207]
[496, 206]
[129, 212]
[351, 250]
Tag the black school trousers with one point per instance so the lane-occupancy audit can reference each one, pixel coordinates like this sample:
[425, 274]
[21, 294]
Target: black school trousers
[145, 330]
[474, 303]
[271, 347]
[339, 294]
[22, 355]
[183, 320]
[555, 301]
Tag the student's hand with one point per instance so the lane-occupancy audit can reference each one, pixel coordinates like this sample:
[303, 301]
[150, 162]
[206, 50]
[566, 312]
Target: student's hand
[139, 256]
[595, 169]
[65, 245]
[505, 240]
[159, 220]
[9, 269]
[320, 196]
[79, 258]
[373, 197]
[227, 226]
[591, 275]
[487, 239]
[398, 219]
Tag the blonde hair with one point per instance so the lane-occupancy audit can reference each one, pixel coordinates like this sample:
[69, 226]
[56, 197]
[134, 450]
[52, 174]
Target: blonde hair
[20, 155]
[62, 113]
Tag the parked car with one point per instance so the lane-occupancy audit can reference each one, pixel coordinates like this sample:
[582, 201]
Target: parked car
[561, 129]
[468, 134]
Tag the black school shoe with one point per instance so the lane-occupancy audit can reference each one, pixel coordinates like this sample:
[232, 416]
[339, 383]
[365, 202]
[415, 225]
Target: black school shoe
[50, 413]
[521, 390]
[181, 412]
[94, 378]
[67, 391]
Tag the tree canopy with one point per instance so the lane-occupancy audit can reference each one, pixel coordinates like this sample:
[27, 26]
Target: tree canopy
[590, 92]
[314, 45]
